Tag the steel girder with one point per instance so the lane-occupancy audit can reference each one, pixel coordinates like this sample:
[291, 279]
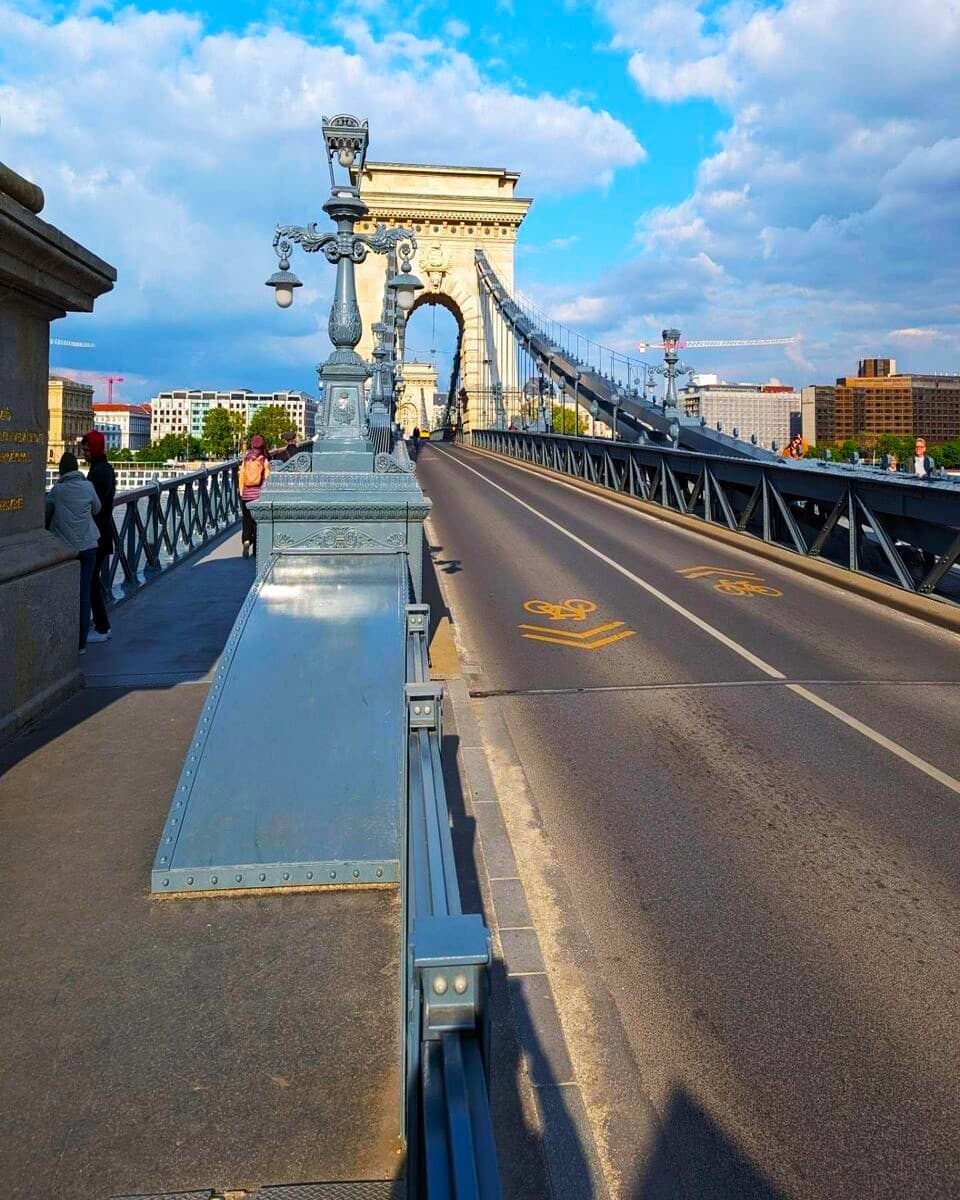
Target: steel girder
[903, 530]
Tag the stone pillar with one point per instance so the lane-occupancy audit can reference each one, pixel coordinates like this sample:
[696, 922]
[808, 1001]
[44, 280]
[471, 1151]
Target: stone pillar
[43, 276]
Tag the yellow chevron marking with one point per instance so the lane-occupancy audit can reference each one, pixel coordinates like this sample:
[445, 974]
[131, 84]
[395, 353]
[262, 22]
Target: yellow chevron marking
[568, 633]
[703, 572]
[554, 640]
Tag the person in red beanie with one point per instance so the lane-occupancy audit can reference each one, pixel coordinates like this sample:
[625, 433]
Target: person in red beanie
[104, 479]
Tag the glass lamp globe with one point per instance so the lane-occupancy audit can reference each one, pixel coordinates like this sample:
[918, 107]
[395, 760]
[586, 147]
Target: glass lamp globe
[346, 156]
[284, 295]
[405, 298]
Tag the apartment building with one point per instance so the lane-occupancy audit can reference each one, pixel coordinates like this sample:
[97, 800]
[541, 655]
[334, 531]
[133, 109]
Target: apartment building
[769, 410]
[879, 400]
[183, 411]
[124, 426]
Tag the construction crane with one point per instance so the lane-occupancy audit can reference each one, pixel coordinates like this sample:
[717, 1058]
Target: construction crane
[715, 343]
[111, 380]
[75, 345]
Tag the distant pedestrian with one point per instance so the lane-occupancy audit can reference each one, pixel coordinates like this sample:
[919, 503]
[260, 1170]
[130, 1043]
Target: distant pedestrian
[415, 439]
[71, 506]
[795, 448]
[893, 464]
[104, 479]
[920, 463]
[254, 472]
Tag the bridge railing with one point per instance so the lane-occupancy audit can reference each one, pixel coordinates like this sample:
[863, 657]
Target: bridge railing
[449, 1125]
[159, 524]
[902, 530]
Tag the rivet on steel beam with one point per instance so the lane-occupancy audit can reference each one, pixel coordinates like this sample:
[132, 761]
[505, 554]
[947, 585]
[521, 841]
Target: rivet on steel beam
[379, 872]
[440, 984]
[190, 880]
[460, 984]
[164, 858]
[416, 709]
[166, 883]
[309, 874]
[239, 878]
[427, 709]
[356, 874]
[213, 879]
[262, 877]
[286, 874]
[333, 874]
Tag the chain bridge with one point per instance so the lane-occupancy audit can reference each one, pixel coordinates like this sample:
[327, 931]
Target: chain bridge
[534, 815]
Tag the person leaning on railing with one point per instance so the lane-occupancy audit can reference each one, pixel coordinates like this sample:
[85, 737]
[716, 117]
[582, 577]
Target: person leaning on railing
[253, 474]
[72, 503]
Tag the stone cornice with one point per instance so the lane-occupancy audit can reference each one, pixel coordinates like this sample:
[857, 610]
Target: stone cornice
[40, 262]
[473, 210]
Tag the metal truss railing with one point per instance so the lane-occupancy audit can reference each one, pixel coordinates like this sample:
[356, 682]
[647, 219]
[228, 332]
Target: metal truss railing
[449, 1127]
[158, 525]
[902, 530]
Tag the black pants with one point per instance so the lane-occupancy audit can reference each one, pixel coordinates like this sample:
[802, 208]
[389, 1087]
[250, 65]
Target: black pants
[98, 599]
[249, 525]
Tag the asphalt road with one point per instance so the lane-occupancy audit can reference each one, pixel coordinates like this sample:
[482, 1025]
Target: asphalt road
[754, 800]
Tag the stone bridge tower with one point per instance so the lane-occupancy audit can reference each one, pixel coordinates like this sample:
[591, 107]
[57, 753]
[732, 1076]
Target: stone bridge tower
[453, 211]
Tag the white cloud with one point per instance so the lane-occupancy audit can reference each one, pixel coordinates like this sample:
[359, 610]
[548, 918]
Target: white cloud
[172, 152]
[831, 203]
[456, 29]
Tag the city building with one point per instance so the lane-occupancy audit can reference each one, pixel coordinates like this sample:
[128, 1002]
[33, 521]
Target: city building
[124, 426]
[769, 410]
[70, 406]
[877, 400]
[183, 411]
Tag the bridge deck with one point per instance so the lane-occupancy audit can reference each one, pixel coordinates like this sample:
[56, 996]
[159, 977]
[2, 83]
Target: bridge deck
[161, 1046]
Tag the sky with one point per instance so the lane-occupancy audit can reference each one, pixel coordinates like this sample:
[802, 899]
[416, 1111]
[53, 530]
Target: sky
[738, 170]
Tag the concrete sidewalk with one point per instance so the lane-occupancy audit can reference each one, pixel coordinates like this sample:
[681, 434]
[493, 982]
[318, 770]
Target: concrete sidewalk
[161, 1046]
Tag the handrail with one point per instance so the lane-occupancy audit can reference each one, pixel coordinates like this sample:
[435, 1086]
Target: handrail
[448, 1030]
[161, 523]
[902, 530]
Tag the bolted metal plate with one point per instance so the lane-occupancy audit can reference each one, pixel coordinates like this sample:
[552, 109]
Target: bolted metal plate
[386, 1190]
[294, 777]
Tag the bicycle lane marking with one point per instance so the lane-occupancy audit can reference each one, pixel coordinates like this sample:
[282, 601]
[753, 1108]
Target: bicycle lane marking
[838, 714]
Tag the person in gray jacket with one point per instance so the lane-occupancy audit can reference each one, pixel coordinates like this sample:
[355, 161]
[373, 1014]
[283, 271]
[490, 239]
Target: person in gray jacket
[71, 506]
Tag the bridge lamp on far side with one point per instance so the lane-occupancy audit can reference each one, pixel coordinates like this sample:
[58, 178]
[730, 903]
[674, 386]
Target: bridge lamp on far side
[405, 287]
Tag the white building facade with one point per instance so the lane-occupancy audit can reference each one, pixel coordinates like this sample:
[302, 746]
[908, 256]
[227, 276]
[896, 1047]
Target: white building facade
[183, 411]
[124, 426]
[769, 410]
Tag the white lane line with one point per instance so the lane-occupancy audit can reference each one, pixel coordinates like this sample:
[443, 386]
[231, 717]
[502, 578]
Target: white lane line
[873, 735]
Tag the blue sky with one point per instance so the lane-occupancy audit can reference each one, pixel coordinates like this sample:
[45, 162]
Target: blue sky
[737, 169]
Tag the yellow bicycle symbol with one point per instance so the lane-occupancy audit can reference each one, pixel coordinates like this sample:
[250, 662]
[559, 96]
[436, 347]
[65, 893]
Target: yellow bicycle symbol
[566, 610]
[744, 587]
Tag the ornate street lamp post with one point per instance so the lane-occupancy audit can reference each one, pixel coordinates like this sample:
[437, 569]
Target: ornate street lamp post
[344, 373]
[671, 368]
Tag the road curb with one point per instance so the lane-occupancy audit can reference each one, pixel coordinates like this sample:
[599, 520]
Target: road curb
[569, 1147]
[934, 612]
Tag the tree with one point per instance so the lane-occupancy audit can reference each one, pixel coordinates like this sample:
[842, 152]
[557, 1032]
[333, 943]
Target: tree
[238, 427]
[171, 446]
[218, 435]
[121, 456]
[567, 420]
[271, 423]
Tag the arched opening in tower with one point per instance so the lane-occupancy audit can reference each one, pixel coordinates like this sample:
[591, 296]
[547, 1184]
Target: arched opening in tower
[432, 345]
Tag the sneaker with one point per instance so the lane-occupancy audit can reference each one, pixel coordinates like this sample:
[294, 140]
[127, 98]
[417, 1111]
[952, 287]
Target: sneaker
[246, 549]
[96, 636]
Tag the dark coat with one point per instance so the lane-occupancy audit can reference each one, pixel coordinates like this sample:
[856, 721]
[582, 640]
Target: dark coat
[927, 465]
[104, 479]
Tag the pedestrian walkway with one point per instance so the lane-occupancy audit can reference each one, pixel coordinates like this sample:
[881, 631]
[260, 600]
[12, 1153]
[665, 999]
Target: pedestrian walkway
[166, 1046]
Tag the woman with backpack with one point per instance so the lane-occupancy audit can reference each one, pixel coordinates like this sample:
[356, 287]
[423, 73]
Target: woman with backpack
[254, 471]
